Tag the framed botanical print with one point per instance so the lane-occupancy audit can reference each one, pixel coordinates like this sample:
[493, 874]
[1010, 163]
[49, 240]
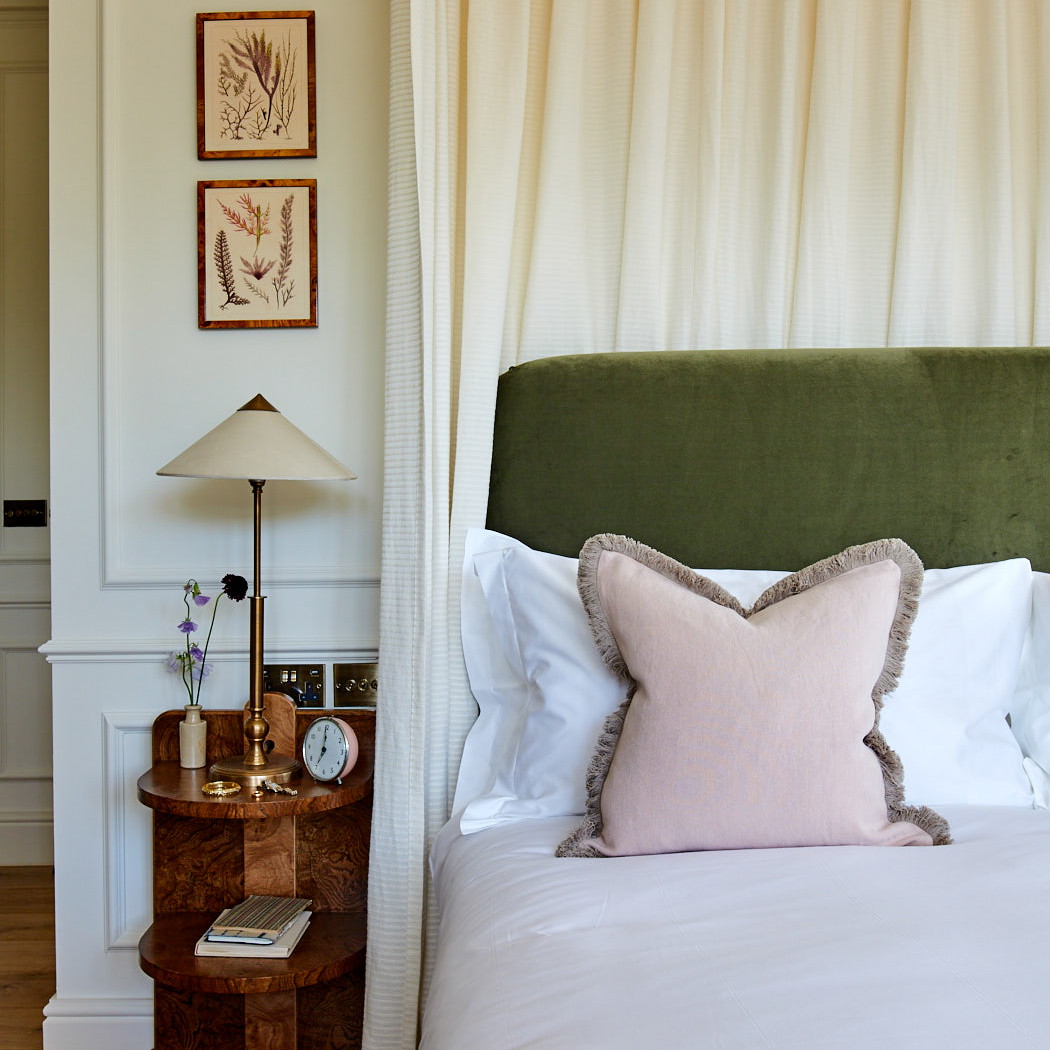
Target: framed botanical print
[257, 253]
[256, 85]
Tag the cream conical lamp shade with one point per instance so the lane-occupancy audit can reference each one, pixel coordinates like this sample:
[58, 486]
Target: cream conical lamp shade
[257, 443]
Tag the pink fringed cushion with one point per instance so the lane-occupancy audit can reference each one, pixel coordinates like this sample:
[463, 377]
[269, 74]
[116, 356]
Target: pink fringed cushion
[748, 728]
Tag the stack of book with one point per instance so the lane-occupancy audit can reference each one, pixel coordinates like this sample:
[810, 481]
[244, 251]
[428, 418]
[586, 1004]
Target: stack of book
[258, 928]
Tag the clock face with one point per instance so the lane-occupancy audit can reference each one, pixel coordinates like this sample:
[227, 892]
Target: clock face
[329, 749]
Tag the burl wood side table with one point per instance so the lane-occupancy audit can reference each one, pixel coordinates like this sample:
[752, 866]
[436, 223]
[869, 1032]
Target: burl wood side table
[210, 853]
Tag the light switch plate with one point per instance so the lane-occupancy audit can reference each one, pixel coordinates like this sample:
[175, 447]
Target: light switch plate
[25, 513]
[356, 685]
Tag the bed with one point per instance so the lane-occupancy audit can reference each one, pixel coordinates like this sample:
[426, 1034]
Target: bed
[598, 890]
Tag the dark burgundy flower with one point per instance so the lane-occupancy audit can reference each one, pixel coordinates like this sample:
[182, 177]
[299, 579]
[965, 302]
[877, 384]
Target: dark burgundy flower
[235, 587]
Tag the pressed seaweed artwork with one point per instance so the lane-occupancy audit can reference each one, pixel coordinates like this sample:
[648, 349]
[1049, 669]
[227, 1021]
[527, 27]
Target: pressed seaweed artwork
[257, 253]
[256, 85]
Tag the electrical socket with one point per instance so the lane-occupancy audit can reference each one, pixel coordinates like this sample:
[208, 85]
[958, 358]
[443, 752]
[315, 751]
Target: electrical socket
[304, 683]
[356, 685]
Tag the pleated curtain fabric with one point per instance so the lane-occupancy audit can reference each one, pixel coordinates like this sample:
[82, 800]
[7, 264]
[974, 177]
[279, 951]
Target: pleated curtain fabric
[571, 176]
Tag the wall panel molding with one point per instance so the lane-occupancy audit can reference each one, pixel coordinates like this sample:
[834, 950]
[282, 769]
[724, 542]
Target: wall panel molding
[126, 754]
[30, 12]
[26, 819]
[27, 837]
[111, 651]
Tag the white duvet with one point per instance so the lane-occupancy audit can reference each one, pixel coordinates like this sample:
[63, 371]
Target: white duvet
[828, 948]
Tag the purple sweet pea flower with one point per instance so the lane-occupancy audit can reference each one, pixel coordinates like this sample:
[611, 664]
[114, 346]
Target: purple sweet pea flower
[187, 627]
[201, 599]
[200, 671]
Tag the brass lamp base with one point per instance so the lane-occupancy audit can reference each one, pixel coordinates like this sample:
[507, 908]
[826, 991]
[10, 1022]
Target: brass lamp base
[278, 768]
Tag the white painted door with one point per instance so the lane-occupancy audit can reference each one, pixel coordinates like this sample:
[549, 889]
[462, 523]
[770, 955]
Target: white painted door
[25, 682]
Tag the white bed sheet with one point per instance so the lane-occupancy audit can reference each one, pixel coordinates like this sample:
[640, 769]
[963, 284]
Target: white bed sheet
[843, 948]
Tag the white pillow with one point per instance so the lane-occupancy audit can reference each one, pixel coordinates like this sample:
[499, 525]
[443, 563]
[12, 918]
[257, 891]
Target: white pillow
[543, 691]
[541, 687]
[1030, 713]
[947, 717]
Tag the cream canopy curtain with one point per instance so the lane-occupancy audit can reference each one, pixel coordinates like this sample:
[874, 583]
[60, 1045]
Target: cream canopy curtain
[588, 175]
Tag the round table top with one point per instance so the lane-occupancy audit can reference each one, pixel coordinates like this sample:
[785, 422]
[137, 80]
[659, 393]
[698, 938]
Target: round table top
[168, 788]
[333, 943]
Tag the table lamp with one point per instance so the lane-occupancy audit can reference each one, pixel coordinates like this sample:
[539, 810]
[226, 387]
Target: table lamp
[256, 444]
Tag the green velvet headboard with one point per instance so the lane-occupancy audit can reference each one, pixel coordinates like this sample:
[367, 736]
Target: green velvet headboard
[776, 458]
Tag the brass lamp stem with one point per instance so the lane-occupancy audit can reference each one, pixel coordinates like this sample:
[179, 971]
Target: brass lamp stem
[256, 765]
[256, 727]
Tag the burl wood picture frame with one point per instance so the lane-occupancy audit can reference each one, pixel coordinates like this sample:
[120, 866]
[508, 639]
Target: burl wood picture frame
[256, 85]
[257, 253]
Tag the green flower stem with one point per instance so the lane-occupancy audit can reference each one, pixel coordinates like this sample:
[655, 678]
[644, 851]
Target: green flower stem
[187, 664]
[204, 651]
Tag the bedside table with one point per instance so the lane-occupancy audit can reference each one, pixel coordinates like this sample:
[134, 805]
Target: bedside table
[209, 853]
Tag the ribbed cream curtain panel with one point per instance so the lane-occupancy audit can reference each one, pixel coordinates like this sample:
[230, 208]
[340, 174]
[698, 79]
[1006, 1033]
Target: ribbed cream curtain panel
[590, 175]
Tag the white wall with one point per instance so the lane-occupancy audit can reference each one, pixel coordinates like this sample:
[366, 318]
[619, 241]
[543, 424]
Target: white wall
[133, 382]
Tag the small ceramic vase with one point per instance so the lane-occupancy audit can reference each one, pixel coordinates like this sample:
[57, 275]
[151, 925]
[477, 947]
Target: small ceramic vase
[193, 732]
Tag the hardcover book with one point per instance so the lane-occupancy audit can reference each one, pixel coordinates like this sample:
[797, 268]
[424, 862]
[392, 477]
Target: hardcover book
[279, 948]
[257, 919]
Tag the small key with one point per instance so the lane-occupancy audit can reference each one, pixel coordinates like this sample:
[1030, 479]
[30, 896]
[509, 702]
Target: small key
[280, 788]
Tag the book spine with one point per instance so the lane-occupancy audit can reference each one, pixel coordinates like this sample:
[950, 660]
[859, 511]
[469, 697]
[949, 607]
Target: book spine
[233, 938]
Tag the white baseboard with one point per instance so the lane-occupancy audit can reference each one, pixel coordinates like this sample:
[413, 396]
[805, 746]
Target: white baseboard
[98, 1024]
[27, 840]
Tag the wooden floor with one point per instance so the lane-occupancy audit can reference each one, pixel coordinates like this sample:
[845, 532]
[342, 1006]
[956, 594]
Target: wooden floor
[27, 954]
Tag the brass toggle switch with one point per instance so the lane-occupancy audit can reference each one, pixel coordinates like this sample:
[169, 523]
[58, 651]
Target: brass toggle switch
[356, 685]
[25, 513]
